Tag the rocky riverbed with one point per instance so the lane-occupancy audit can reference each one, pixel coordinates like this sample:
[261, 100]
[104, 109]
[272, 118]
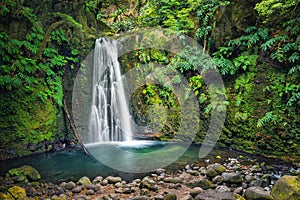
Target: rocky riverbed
[229, 180]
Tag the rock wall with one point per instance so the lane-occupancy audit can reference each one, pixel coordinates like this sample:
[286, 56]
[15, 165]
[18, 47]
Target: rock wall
[27, 124]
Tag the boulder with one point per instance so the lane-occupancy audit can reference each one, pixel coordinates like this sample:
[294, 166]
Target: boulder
[113, 180]
[214, 195]
[148, 184]
[257, 193]
[17, 192]
[223, 188]
[215, 169]
[287, 187]
[60, 197]
[238, 197]
[195, 191]
[84, 181]
[232, 177]
[98, 179]
[201, 182]
[170, 196]
[25, 173]
[172, 180]
[5, 196]
[70, 185]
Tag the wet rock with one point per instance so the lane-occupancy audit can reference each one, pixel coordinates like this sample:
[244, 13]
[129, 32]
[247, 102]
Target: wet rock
[104, 182]
[98, 179]
[31, 191]
[24, 173]
[17, 192]
[139, 198]
[238, 190]
[148, 184]
[217, 179]
[259, 183]
[90, 192]
[159, 197]
[192, 172]
[238, 197]
[84, 181]
[203, 183]
[127, 190]
[257, 193]
[5, 196]
[59, 190]
[249, 178]
[94, 187]
[119, 190]
[63, 184]
[81, 197]
[214, 169]
[170, 196]
[195, 191]
[113, 180]
[255, 168]
[59, 197]
[118, 185]
[50, 192]
[77, 189]
[287, 187]
[114, 196]
[172, 180]
[202, 171]
[144, 192]
[70, 185]
[187, 197]
[232, 177]
[223, 188]
[174, 186]
[214, 195]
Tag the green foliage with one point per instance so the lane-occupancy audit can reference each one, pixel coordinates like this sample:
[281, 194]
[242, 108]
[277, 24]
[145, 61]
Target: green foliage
[269, 117]
[240, 54]
[284, 48]
[205, 11]
[19, 66]
[271, 9]
[168, 14]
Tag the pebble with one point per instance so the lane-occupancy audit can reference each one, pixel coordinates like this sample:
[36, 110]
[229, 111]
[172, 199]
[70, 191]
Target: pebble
[196, 182]
[195, 191]
[77, 189]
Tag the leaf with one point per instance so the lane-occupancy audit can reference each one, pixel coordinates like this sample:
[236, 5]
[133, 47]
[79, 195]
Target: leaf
[294, 57]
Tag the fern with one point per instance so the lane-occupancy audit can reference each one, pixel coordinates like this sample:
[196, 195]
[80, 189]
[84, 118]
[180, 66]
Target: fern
[269, 117]
[294, 57]
[294, 69]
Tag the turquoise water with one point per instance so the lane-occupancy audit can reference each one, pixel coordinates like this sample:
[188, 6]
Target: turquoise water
[72, 164]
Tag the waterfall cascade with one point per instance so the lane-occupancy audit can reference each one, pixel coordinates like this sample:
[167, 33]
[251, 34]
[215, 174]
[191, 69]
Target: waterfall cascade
[109, 118]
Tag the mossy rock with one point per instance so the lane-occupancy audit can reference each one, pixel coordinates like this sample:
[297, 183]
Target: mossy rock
[287, 187]
[24, 174]
[84, 181]
[6, 197]
[237, 197]
[215, 169]
[17, 192]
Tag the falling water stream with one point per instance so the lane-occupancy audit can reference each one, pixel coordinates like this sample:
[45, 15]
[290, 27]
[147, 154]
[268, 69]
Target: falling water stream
[109, 119]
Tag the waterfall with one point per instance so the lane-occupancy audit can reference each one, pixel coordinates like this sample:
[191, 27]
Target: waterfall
[109, 117]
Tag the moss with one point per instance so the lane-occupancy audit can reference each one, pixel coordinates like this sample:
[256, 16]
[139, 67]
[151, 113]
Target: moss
[252, 95]
[287, 187]
[25, 119]
[17, 192]
[25, 172]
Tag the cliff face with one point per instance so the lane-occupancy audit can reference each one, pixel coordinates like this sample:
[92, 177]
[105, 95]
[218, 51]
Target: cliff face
[231, 20]
[31, 121]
